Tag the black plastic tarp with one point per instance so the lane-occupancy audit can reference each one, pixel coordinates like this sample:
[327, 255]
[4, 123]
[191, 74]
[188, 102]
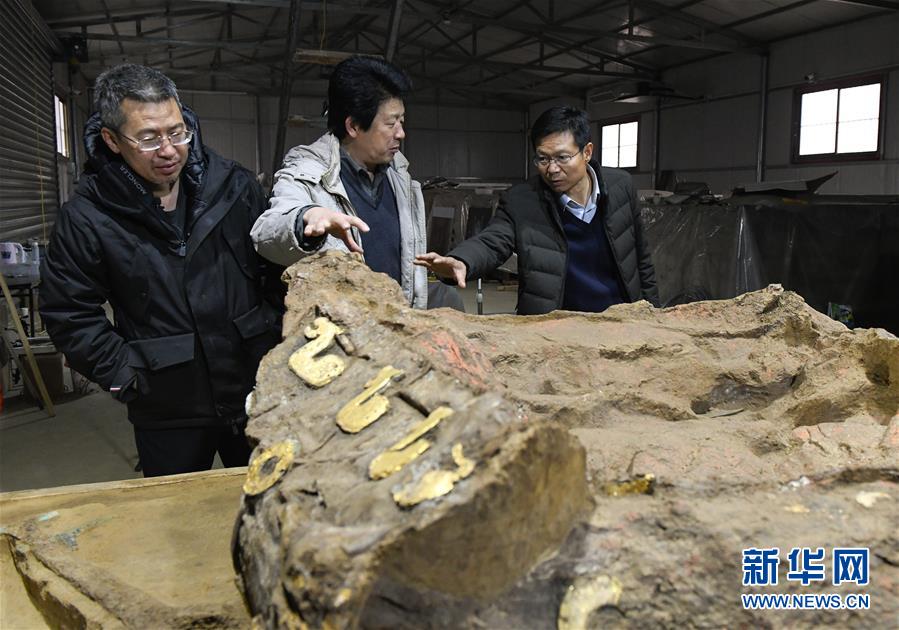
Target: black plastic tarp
[838, 252]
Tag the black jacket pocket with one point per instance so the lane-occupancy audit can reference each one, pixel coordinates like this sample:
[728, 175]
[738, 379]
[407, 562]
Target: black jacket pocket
[259, 319]
[173, 382]
[260, 329]
[158, 353]
[242, 249]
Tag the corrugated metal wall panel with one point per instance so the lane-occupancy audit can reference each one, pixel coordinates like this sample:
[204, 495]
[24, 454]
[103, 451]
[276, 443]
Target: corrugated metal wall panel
[28, 179]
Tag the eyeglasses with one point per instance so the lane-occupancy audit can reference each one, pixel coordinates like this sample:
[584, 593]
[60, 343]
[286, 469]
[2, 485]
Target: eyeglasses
[543, 161]
[177, 138]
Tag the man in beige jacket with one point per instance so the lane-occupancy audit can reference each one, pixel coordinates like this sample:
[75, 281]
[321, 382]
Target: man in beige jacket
[351, 189]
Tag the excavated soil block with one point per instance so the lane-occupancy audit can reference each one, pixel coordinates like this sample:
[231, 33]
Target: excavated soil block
[440, 470]
[707, 428]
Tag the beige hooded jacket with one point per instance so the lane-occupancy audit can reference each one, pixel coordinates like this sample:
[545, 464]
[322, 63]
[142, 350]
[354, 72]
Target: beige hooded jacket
[310, 176]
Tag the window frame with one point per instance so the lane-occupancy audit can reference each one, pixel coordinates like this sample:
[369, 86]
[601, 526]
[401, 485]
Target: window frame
[621, 120]
[62, 129]
[838, 84]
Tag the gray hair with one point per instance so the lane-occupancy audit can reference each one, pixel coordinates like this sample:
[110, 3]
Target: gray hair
[129, 80]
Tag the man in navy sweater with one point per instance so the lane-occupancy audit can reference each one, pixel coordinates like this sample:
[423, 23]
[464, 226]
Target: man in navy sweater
[576, 228]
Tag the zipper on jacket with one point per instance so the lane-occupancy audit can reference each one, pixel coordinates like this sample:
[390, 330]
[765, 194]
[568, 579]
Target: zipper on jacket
[182, 248]
[555, 212]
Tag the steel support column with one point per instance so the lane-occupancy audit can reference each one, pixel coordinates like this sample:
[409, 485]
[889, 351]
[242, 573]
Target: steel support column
[394, 29]
[763, 121]
[293, 33]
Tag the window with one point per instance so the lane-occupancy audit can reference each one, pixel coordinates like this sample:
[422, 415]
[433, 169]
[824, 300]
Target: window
[619, 144]
[838, 121]
[62, 127]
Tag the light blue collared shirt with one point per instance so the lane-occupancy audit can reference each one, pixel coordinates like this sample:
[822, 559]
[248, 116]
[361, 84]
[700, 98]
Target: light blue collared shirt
[584, 213]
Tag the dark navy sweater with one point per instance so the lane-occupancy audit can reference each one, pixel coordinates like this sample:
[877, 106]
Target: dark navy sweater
[377, 207]
[591, 278]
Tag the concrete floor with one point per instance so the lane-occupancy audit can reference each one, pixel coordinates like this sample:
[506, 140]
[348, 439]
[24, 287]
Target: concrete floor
[90, 439]
[498, 298]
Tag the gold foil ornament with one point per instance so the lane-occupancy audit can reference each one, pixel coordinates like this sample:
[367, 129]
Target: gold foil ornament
[343, 596]
[392, 461]
[584, 596]
[407, 449]
[318, 371]
[368, 406]
[268, 467]
[290, 620]
[644, 484]
[435, 483]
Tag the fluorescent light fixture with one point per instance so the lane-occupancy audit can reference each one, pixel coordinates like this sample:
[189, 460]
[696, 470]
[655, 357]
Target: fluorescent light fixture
[298, 120]
[634, 98]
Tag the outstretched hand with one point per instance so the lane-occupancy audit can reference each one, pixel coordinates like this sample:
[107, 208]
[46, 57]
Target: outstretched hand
[320, 220]
[444, 266]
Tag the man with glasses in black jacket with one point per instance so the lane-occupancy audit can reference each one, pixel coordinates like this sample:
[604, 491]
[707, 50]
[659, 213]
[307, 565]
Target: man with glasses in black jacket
[159, 227]
[576, 228]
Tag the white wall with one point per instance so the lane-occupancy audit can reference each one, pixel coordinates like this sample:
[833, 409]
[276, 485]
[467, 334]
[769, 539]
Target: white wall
[465, 142]
[716, 140]
[446, 141]
[228, 123]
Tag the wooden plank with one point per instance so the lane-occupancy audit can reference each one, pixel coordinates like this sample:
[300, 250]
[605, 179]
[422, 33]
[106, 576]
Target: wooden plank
[141, 552]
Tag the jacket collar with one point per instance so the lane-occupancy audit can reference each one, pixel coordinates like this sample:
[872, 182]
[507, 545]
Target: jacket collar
[319, 162]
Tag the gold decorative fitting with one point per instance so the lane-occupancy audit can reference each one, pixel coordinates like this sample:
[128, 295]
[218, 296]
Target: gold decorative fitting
[408, 448]
[318, 372]
[393, 461]
[292, 621]
[368, 406]
[435, 483]
[644, 484]
[268, 467]
[298, 582]
[585, 596]
[343, 596]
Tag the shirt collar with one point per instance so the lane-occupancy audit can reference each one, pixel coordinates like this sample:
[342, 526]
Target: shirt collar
[570, 204]
[359, 169]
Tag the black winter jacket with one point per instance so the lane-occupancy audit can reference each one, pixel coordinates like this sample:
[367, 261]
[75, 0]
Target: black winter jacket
[528, 222]
[193, 346]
